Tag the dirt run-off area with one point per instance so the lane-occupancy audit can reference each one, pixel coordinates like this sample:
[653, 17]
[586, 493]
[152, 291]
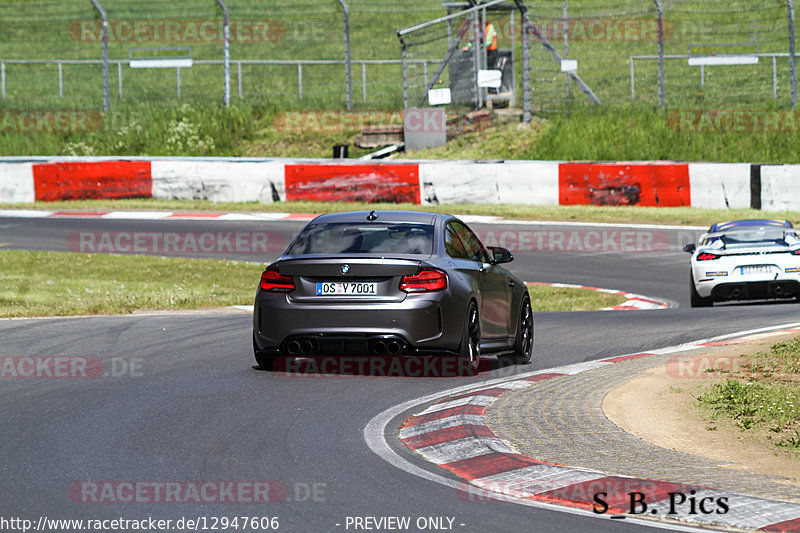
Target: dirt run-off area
[661, 407]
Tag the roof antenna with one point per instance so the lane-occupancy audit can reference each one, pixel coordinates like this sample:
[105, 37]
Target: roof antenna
[372, 216]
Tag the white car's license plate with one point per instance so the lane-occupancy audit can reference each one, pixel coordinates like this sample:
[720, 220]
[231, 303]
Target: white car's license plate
[350, 288]
[756, 269]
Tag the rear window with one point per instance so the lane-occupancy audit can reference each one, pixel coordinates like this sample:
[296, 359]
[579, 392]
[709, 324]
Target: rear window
[374, 238]
[755, 236]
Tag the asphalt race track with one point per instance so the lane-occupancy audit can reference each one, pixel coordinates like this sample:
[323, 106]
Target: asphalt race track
[181, 402]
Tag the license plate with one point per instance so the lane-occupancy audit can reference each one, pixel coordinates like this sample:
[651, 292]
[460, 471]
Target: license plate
[350, 288]
[756, 269]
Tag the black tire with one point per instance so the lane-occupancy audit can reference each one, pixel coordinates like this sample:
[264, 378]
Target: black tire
[471, 337]
[523, 346]
[697, 300]
[265, 361]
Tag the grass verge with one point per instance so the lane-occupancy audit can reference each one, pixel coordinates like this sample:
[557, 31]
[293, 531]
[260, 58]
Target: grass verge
[762, 395]
[68, 284]
[636, 133]
[544, 298]
[577, 213]
[63, 284]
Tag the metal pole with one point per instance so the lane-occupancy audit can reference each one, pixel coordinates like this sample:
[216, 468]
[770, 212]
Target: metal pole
[513, 60]
[633, 83]
[526, 71]
[403, 55]
[406, 31]
[347, 69]
[476, 55]
[178, 79]
[484, 51]
[300, 80]
[104, 18]
[566, 42]
[60, 80]
[364, 80]
[226, 51]
[484, 56]
[239, 77]
[660, 10]
[774, 77]
[792, 59]
[119, 78]
[3, 80]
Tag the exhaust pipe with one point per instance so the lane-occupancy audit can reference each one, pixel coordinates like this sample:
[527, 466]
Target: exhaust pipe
[735, 293]
[393, 348]
[778, 290]
[306, 347]
[379, 348]
[293, 348]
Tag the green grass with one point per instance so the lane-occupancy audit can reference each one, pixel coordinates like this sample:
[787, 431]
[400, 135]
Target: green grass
[199, 130]
[69, 284]
[544, 298]
[634, 133]
[579, 213]
[750, 402]
[782, 359]
[762, 395]
[62, 284]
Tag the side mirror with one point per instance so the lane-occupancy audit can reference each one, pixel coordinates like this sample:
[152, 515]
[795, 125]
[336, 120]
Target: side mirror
[500, 255]
[689, 248]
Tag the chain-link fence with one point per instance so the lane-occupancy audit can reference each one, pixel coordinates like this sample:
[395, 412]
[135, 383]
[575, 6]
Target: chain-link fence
[283, 52]
[725, 52]
[732, 53]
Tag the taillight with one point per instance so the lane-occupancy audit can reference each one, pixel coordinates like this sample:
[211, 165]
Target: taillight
[706, 256]
[272, 281]
[424, 281]
[796, 252]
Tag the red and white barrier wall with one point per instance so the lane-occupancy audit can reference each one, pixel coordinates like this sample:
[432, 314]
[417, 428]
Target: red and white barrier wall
[659, 184]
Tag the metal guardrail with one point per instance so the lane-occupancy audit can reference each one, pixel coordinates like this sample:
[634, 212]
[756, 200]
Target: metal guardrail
[299, 63]
[773, 55]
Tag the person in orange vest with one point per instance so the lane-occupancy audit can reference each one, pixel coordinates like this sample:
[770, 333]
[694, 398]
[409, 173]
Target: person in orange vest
[490, 38]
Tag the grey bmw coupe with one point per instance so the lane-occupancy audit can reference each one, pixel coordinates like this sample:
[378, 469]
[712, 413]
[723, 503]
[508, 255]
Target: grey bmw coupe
[391, 284]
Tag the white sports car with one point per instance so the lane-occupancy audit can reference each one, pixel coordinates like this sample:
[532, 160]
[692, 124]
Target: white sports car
[745, 260]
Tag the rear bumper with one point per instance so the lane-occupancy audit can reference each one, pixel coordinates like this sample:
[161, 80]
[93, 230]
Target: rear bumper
[320, 328]
[724, 282]
[756, 290]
